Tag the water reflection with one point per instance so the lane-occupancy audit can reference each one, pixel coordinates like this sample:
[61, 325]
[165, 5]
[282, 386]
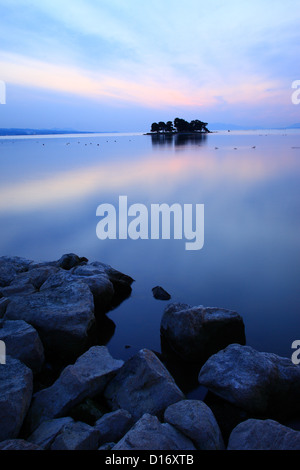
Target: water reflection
[178, 140]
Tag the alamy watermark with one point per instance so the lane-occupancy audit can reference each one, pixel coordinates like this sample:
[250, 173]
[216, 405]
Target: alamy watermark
[296, 93]
[296, 354]
[2, 353]
[162, 221]
[2, 92]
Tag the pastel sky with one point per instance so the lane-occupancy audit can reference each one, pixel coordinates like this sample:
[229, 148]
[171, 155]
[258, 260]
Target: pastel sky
[115, 65]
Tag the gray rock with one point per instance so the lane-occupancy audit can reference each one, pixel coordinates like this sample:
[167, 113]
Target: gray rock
[160, 294]
[46, 433]
[195, 333]
[84, 379]
[76, 436]
[143, 385]
[112, 426]
[23, 343]
[194, 419]
[18, 444]
[150, 434]
[70, 260]
[258, 382]
[16, 387]
[62, 316]
[255, 434]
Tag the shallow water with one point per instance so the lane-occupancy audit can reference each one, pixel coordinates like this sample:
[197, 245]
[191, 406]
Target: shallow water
[50, 188]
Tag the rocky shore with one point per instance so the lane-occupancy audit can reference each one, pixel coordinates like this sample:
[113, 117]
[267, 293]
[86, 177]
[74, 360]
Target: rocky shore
[60, 388]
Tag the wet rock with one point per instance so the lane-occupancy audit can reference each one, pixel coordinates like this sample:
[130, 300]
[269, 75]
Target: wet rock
[16, 385]
[46, 433]
[84, 379]
[76, 436]
[112, 426]
[194, 419]
[143, 385]
[258, 382]
[195, 333]
[160, 294]
[255, 434]
[149, 434]
[23, 342]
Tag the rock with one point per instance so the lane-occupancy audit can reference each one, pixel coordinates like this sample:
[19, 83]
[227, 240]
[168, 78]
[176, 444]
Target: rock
[10, 267]
[23, 342]
[149, 434]
[84, 379]
[160, 294]
[112, 426]
[258, 382]
[70, 260]
[195, 333]
[62, 316]
[143, 385]
[76, 436]
[194, 419]
[18, 444]
[16, 385]
[255, 434]
[46, 433]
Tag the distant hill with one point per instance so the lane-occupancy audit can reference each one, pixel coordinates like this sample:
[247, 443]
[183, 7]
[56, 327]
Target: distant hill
[40, 132]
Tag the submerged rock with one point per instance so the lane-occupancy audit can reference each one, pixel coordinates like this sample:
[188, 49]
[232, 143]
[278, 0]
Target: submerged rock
[85, 379]
[143, 385]
[258, 382]
[160, 294]
[195, 333]
[150, 434]
[16, 385]
[255, 434]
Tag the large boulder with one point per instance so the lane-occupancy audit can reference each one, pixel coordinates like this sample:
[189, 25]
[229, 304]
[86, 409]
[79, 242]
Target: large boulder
[194, 419]
[76, 436]
[16, 385]
[84, 379]
[195, 333]
[23, 342]
[150, 434]
[143, 385]
[258, 382]
[10, 266]
[62, 316]
[255, 434]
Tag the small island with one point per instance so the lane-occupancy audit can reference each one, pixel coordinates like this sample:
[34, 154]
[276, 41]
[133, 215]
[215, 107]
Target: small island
[179, 126]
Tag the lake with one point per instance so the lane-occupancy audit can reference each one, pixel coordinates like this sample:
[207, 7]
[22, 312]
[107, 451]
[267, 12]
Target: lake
[248, 182]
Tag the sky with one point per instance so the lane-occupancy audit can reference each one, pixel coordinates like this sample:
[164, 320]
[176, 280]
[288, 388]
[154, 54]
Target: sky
[111, 65]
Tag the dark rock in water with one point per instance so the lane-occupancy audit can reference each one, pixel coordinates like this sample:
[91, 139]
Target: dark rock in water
[70, 260]
[258, 382]
[160, 294]
[195, 333]
[255, 434]
[194, 419]
[16, 386]
[150, 434]
[142, 385]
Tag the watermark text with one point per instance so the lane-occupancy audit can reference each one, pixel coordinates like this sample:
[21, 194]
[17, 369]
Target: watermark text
[296, 93]
[2, 353]
[2, 92]
[296, 354]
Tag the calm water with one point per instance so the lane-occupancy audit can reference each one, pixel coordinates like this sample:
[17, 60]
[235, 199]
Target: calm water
[50, 189]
